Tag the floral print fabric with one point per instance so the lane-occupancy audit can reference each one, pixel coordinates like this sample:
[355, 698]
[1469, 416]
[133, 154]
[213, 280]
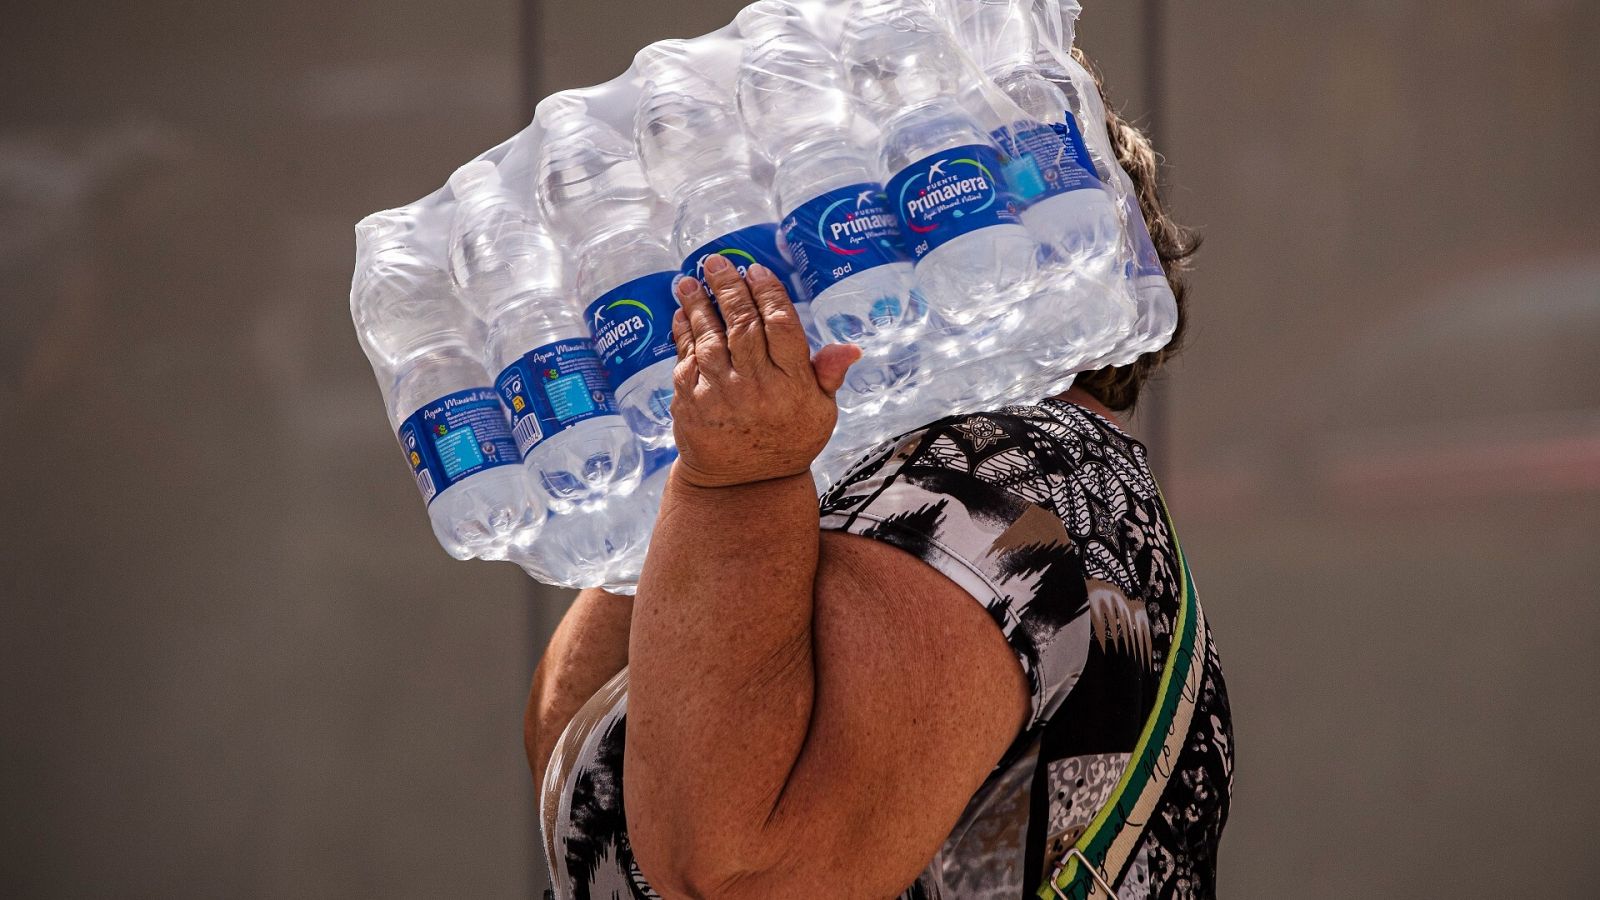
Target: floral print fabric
[1048, 516]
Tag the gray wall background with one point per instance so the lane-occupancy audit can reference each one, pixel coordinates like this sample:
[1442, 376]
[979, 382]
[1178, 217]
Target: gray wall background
[234, 663]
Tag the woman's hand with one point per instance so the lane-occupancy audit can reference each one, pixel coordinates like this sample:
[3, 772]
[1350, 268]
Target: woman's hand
[749, 402]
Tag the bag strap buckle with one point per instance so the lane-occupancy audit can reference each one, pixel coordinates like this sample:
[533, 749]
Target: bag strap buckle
[1087, 866]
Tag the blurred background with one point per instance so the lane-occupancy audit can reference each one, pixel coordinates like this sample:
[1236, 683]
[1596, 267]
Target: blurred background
[234, 663]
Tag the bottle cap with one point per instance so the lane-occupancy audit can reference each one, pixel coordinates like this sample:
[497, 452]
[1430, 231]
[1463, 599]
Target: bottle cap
[478, 176]
[767, 19]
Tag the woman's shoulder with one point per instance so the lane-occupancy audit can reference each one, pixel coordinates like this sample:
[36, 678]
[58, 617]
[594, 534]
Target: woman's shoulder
[1035, 452]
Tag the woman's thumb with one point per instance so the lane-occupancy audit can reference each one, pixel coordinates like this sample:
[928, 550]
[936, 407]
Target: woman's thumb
[831, 362]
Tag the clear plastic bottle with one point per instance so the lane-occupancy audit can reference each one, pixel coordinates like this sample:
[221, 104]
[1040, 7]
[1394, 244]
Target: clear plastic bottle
[592, 187]
[975, 261]
[1157, 316]
[440, 399]
[837, 227]
[1068, 206]
[696, 155]
[639, 510]
[574, 444]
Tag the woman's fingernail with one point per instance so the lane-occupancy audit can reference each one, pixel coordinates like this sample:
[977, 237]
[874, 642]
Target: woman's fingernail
[757, 270]
[716, 262]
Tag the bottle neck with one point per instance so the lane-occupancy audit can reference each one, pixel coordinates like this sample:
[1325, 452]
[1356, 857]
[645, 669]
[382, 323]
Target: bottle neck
[427, 359]
[931, 108]
[612, 233]
[1013, 70]
[516, 303]
[713, 181]
[826, 141]
[609, 258]
[820, 165]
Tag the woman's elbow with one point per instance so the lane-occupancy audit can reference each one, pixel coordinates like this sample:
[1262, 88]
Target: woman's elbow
[681, 860]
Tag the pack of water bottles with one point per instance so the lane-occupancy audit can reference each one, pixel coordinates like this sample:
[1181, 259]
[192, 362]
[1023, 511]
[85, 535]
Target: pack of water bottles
[932, 178]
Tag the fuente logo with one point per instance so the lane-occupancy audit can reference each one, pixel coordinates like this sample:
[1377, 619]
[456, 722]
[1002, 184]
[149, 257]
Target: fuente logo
[740, 259]
[866, 219]
[618, 323]
[967, 182]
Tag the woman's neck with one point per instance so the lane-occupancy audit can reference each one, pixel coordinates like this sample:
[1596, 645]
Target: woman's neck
[1087, 400]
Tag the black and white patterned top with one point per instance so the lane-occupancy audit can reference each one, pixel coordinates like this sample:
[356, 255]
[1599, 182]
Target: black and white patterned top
[1048, 515]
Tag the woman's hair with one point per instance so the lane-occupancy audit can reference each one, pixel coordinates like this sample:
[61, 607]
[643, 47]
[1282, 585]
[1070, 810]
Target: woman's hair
[1118, 388]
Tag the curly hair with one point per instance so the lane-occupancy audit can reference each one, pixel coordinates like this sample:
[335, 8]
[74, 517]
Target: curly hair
[1118, 387]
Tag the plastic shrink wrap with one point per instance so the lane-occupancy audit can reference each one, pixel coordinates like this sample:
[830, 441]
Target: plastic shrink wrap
[933, 180]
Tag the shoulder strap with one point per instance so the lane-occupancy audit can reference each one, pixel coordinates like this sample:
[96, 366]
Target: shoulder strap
[1091, 865]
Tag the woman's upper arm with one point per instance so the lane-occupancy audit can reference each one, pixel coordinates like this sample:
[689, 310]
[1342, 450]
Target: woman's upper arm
[918, 695]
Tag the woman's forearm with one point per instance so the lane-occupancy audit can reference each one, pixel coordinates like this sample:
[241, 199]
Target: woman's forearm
[721, 662]
[588, 647]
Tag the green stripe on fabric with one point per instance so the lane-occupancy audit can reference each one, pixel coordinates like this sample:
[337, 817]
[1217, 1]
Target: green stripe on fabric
[1102, 830]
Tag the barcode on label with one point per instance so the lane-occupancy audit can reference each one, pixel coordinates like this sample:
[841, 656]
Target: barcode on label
[528, 434]
[425, 484]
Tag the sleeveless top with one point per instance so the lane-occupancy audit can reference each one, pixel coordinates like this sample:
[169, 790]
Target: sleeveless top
[1049, 517]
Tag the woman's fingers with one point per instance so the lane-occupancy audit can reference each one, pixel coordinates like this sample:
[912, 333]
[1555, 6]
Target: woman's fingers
[786, 337]
[685, 373]
[682, 337]
[747, 340]
[705, 328]
[831, 363]
[762, 324]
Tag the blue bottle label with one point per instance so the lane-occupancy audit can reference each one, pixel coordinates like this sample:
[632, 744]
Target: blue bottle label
[632, 326]
[455, 437]
[1046, 160]
[743, 248]
[552, 388]
[840, 233]
[1072, 137]
[951, 193]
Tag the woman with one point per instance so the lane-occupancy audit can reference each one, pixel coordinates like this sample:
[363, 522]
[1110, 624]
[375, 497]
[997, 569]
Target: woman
[931, 690]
